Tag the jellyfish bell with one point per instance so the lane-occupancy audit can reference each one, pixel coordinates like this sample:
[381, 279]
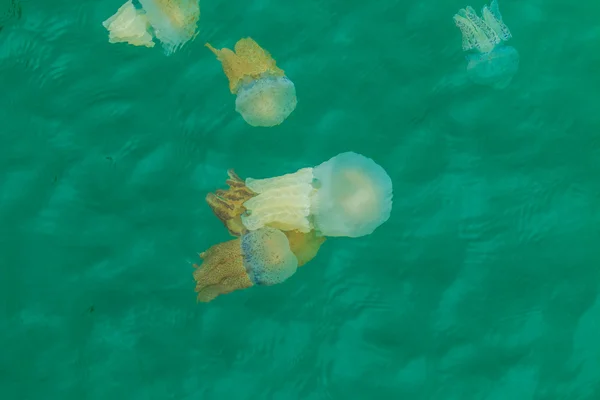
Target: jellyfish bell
[267, 101]
[495, 69]
[267, 256]
[354, 196]
[174, 22]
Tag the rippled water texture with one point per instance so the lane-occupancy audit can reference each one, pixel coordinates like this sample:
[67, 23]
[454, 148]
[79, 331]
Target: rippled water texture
[483, 284]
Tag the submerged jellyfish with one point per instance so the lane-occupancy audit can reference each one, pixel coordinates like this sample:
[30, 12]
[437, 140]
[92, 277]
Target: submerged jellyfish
[353, 197]
[172, 22]
[282, 202]
[492, 64]
[267, 256]
[265, 96]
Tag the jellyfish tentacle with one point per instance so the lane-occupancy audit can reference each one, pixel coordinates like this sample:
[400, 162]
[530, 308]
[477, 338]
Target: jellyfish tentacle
[469, 35]
[488, 38]
[493, 19]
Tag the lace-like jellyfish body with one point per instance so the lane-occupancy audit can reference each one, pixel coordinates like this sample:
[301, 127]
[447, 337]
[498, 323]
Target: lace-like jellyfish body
[267, 101]
[354, 196]
[495, 69]
[267, 256]
[174, 21]
[493, 19]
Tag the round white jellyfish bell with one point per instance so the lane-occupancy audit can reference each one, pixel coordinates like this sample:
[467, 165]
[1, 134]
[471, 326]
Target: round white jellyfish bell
[267, 256]
[267, 101]
[353, 197]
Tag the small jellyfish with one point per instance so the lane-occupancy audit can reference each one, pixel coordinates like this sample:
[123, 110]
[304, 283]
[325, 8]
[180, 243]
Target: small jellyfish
[354, 196]
[228, 205]
[267, 256]
[492, 64]
[174, 21]
[282, 202]
[129, 25]
[265, 96]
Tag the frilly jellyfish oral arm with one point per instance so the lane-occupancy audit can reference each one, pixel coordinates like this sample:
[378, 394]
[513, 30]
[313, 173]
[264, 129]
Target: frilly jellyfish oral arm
[129, 25]
[228, 206]
[247, 62]
[282, 202]
[493, 18]
[487, 33]
[222, 271]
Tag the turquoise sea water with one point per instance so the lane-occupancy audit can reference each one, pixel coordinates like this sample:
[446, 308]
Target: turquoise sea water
[484, 283]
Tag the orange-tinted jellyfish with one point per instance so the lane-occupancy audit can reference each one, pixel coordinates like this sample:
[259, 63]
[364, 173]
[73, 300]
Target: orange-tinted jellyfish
[265, 96]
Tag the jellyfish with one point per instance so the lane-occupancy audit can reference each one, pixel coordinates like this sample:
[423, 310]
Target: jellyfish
[172, 22]
[282, 202]
[228, 205]
[262, 257]
[129, 25]
[492, 63]
[353, 196]
[265, 97]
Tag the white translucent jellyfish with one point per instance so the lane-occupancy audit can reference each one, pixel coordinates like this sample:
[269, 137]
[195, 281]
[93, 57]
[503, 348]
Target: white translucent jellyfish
[129, 25]
[174, 21]
[267, 256]
[353, 197]
[492, 64]
[282, 202]
[265, 96]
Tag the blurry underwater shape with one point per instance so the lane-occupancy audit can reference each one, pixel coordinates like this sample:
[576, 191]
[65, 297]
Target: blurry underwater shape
[172, 22]
[492, 64]
[265, 96]
[262, 257]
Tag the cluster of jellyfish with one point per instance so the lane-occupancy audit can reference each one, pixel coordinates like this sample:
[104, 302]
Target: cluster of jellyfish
[265, 96]
[281, 222]
[490, 62]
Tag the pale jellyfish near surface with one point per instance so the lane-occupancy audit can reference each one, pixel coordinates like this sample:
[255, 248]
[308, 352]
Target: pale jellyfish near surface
[492, 64]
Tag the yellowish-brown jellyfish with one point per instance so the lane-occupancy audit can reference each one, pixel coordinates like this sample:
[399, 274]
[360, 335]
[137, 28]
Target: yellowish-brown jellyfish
[172, 22]
[491, 62]
[265, 96]
[353, 196]
[262, 257]
[129, 25]
[282, 202]
[228, 205]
